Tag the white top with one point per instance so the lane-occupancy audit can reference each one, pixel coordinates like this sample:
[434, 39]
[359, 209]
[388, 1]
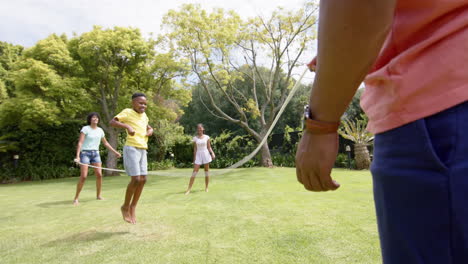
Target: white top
[203, 155]
[92, 137]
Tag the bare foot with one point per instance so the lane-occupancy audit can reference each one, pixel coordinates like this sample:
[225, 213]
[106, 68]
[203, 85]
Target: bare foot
[76, 203]
[132, 214]
[125, 214]
[100, 198]
[187, 192]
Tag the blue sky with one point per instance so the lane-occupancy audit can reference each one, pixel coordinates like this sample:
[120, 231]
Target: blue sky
[24, 22]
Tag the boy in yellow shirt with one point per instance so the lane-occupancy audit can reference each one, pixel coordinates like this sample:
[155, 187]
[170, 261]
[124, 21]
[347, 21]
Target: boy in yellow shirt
[135, 121]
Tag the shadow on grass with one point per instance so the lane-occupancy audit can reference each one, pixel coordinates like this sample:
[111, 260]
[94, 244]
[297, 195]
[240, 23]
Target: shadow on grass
[87, 236]
[61, 203]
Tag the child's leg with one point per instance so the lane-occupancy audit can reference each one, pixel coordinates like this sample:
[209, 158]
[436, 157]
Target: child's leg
[136, 196]
[131, 163]
[140, 166]
[207, 176]
[131, 189]
[81, 181]
[192, 179]
[98, 173]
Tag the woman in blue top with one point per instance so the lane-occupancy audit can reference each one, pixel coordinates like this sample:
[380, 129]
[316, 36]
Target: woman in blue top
[87, 152]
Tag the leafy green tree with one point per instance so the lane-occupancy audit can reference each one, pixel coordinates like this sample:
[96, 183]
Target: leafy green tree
[45, 89]
[224, 51]
[9, 54]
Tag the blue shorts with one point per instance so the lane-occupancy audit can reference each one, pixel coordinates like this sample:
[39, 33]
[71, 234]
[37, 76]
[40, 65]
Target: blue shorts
[90, 156]
[420, 178]
[135, 161]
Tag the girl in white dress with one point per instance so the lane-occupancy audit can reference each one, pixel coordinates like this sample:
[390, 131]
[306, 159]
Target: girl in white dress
[202, 155]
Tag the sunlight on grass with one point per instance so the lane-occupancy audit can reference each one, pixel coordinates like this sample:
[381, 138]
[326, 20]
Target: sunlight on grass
[254, 215]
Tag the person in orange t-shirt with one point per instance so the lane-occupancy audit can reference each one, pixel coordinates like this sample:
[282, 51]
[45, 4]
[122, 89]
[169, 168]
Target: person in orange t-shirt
[412, 56]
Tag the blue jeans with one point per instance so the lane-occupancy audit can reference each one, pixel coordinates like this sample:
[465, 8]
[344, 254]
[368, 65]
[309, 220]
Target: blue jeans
[90, 156]
[420, 177]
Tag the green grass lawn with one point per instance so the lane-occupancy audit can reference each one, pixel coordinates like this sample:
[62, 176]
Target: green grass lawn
[254, 215]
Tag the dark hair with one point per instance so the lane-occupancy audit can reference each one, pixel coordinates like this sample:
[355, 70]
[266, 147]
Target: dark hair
[90, 115]
[200, 124]
[135, 95]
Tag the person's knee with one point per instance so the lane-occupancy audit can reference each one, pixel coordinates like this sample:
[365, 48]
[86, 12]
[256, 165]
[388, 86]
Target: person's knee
[138, 180]
[83, 178]
[142, 180]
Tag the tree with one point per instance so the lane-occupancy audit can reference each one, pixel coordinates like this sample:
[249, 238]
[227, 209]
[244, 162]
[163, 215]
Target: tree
[224, 51]
[44, 88]
[354, 110]
[9, 54]
[357, 133]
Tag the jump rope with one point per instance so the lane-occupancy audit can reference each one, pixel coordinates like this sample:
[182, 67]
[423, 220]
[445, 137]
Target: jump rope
[235, 165]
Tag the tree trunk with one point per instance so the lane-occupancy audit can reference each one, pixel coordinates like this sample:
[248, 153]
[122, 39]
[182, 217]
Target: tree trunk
[266, 156]
[111, 161]
[362, 157]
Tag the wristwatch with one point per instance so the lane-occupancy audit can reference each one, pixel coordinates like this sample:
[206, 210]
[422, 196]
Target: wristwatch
[316, 126]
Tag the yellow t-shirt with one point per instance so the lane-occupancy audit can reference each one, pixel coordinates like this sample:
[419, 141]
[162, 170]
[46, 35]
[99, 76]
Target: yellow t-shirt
[139, 123]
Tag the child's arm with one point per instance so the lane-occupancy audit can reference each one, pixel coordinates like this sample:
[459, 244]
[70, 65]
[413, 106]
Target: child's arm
[211, 150]
[109, 147]
[149, 131]
[116, 123]
[78, 147]
[194, 151]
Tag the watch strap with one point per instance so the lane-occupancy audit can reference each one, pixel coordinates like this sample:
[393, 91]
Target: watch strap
[320, 127]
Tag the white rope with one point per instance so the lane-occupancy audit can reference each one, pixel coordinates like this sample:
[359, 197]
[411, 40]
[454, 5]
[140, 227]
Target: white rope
[242, 161]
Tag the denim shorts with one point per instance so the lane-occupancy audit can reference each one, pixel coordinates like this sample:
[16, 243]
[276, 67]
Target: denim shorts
[420, 173]
[90, 156]
[135, 161]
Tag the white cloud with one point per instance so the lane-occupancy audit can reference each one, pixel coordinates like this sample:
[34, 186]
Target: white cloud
[25, 22]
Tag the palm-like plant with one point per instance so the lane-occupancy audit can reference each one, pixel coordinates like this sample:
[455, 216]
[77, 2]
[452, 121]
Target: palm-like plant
[356, 132]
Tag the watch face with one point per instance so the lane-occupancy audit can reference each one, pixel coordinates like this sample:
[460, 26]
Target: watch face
[306, 112]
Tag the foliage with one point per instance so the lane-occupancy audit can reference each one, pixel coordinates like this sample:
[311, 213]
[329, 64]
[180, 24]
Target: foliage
[160, 165]
[9, 54]
[342, 161]
[229, 149]
[44, 153]
[215, 43]
[45, 88]
[356, 131]
[8, 145]
[166, 135]
[354, 110]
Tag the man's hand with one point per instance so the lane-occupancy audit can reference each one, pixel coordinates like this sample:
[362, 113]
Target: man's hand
[315, 157]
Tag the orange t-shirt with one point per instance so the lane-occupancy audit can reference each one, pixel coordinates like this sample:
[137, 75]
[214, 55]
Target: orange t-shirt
[423, 66]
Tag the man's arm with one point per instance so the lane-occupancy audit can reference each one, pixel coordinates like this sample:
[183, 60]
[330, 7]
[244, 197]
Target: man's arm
[350, 36]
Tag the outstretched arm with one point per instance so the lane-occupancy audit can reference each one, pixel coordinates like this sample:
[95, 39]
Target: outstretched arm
[351, 34]
[109, 147]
